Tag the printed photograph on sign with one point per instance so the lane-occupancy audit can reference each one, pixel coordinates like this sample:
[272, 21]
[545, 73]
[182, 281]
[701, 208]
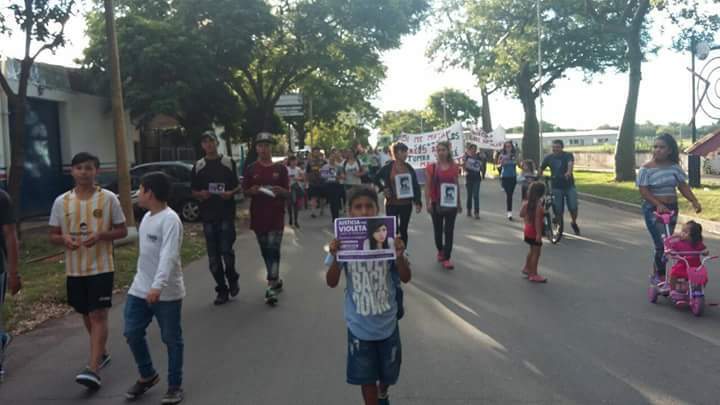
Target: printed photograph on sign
[216, 188]
[404, 186]
[448, 195]
[328, 173]
[365, 238]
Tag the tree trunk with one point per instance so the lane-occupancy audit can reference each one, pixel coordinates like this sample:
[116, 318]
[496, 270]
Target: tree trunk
[531, 126]
[486, 117]
[625, 149]
[17, 152]
[17, 138]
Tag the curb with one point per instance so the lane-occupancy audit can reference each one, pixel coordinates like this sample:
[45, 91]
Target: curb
[710, 226]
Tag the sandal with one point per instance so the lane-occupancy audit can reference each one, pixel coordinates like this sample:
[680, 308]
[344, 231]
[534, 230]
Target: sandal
[537, 279]
[525, 273]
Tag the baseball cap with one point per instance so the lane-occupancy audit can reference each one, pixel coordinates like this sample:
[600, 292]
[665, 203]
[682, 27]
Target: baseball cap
[264, 137]
[208, 135]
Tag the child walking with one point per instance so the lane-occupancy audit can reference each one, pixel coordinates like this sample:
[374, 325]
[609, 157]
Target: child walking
[371, 309]
[85, 221]
[157, 290]
[528, 175]
[532, 213]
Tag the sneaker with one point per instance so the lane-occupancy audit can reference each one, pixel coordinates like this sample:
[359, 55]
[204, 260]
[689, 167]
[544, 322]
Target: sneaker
[141, 387]
[90, 379]
[448, 265]
[477, 215]
[270, 297]
[313, 215]
[297, 225]
[174, 395]
[234, 289]
[509, 216]
[104, 361]
[383, 399]
[222, 298]
[277, 286]
[440, 256]
[575, 228]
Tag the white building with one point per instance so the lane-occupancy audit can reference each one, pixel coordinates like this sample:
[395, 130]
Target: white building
[62, 120]
[575, 138]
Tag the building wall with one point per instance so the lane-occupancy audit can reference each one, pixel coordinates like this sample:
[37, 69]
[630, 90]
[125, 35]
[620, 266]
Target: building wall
[86, 125]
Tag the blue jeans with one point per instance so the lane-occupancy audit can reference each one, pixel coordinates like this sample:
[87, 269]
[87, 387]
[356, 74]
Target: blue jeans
[373, 361]
[270, 244]
[138, 315]
[563, 195]
[657, 229]
[219, 239]
[473, 196]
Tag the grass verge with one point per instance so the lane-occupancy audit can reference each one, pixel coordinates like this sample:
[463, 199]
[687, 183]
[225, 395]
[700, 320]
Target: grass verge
[604, 185]
[43, 296]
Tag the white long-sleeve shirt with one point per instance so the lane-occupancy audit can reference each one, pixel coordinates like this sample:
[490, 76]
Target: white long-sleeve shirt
[159, 264]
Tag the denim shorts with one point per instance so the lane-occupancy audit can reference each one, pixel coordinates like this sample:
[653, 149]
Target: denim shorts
[568, 195]
[373, 361]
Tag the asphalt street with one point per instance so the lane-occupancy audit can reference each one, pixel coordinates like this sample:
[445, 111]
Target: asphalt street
[480, 334]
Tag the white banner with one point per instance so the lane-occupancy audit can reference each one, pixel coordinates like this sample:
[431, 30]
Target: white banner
[483, 140]
[421, 147]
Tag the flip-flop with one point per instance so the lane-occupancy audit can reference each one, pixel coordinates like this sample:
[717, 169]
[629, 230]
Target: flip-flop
[537, 279]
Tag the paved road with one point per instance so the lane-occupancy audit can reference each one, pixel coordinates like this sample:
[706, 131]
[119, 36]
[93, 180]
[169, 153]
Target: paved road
[477, 335]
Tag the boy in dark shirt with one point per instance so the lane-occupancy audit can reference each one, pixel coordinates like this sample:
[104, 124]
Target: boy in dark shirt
[214, 182]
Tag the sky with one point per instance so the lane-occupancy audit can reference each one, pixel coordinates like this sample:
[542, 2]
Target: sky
[665, 93]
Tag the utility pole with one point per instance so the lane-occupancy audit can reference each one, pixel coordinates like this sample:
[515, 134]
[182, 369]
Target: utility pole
[123, 169]
[693, 160]
[540, 77]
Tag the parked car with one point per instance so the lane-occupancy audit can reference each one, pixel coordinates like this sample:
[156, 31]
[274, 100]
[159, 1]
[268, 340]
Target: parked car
[181, 199]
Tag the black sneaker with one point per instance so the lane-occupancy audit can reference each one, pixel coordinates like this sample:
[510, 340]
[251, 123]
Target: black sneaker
[222, 298]
[234, 289]
[277, 286]
[271, 297]
[89, 379]
[140, 387]
[575, 228]
[174, 395]
[297, 225]
[105, 361]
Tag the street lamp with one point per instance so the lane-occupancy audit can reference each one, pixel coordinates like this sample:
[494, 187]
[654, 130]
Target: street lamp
[701, 51]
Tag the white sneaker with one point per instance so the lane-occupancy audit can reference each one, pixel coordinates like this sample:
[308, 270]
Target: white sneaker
[509, 215]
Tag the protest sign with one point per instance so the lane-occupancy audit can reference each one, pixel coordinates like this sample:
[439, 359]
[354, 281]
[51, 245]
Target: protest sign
[421, 147]
[365, 238]
[404, 186]
[216, 188]
[483, 140]
[448, 195]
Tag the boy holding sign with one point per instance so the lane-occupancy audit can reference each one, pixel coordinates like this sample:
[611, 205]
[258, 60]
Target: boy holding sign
[374, 347]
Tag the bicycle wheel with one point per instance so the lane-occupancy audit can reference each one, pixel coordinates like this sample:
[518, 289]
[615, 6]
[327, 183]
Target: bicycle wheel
[553, 224]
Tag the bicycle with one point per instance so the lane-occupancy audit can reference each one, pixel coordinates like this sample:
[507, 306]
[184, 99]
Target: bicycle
[553, 222]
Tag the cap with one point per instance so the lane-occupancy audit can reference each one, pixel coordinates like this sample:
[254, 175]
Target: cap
[264, 137]
[208, 134]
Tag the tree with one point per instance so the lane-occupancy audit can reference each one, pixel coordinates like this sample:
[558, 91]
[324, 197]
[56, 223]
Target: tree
[458, 106]
[176, 59]
[499, 40]
[42, 22]
[343, 132]
[629, 20]
[408, 122]
[319, 38]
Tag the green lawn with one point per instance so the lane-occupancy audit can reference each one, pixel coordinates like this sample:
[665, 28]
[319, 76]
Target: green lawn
[603, 185]
[43, 295]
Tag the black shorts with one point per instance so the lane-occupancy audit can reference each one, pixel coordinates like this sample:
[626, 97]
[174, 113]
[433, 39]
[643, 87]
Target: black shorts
[532, 242]
[317, 191]
[90, 293]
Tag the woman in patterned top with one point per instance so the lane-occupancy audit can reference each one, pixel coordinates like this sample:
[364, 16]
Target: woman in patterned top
[658, 181]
